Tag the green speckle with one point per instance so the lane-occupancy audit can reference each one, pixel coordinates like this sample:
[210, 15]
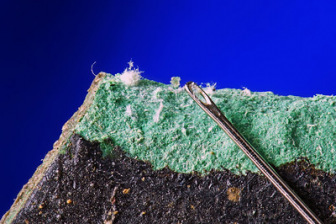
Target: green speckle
[163, 125]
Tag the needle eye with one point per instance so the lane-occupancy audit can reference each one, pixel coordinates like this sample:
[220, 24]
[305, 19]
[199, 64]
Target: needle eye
[198, 93]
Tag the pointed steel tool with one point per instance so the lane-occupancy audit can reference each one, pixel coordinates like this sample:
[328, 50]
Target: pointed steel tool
[205, 102]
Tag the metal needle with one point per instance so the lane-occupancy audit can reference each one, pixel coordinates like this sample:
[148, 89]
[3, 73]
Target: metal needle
[212, 110]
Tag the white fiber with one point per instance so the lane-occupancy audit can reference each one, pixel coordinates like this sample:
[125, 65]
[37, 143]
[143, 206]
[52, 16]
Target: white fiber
[246, 92]
[128, 110]
[175, 81]
[130, 76]
[210, 89]
[155, 92]
[157, 114]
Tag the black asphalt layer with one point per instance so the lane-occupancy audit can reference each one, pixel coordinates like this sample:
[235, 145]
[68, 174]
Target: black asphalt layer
[83, 187]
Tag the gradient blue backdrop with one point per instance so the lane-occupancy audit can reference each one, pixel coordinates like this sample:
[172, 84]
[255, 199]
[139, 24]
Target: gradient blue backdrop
[47, 48]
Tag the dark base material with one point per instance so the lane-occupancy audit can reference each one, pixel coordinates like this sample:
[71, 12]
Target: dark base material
[83, 187]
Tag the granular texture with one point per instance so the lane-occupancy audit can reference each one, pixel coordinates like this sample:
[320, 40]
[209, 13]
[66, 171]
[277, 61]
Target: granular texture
[161, 124]
[83, 187]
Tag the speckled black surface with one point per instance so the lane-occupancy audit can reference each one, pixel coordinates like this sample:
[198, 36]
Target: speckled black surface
[83, 187]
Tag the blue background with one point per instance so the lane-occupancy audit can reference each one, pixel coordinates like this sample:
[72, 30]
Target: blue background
[47, 48]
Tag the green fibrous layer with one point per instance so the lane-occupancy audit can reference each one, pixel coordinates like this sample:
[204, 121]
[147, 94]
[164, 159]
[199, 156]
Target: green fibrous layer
[161, 124]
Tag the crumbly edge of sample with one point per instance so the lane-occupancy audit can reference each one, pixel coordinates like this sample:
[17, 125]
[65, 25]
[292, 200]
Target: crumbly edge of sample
[59, 147]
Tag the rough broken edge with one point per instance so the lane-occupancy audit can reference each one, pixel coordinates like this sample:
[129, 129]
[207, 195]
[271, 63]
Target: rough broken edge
[59, 145]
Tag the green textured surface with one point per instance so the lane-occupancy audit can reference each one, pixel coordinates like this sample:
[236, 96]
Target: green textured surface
[184, 138]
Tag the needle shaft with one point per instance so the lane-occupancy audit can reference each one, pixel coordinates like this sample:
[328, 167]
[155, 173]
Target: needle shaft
[212, 110]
